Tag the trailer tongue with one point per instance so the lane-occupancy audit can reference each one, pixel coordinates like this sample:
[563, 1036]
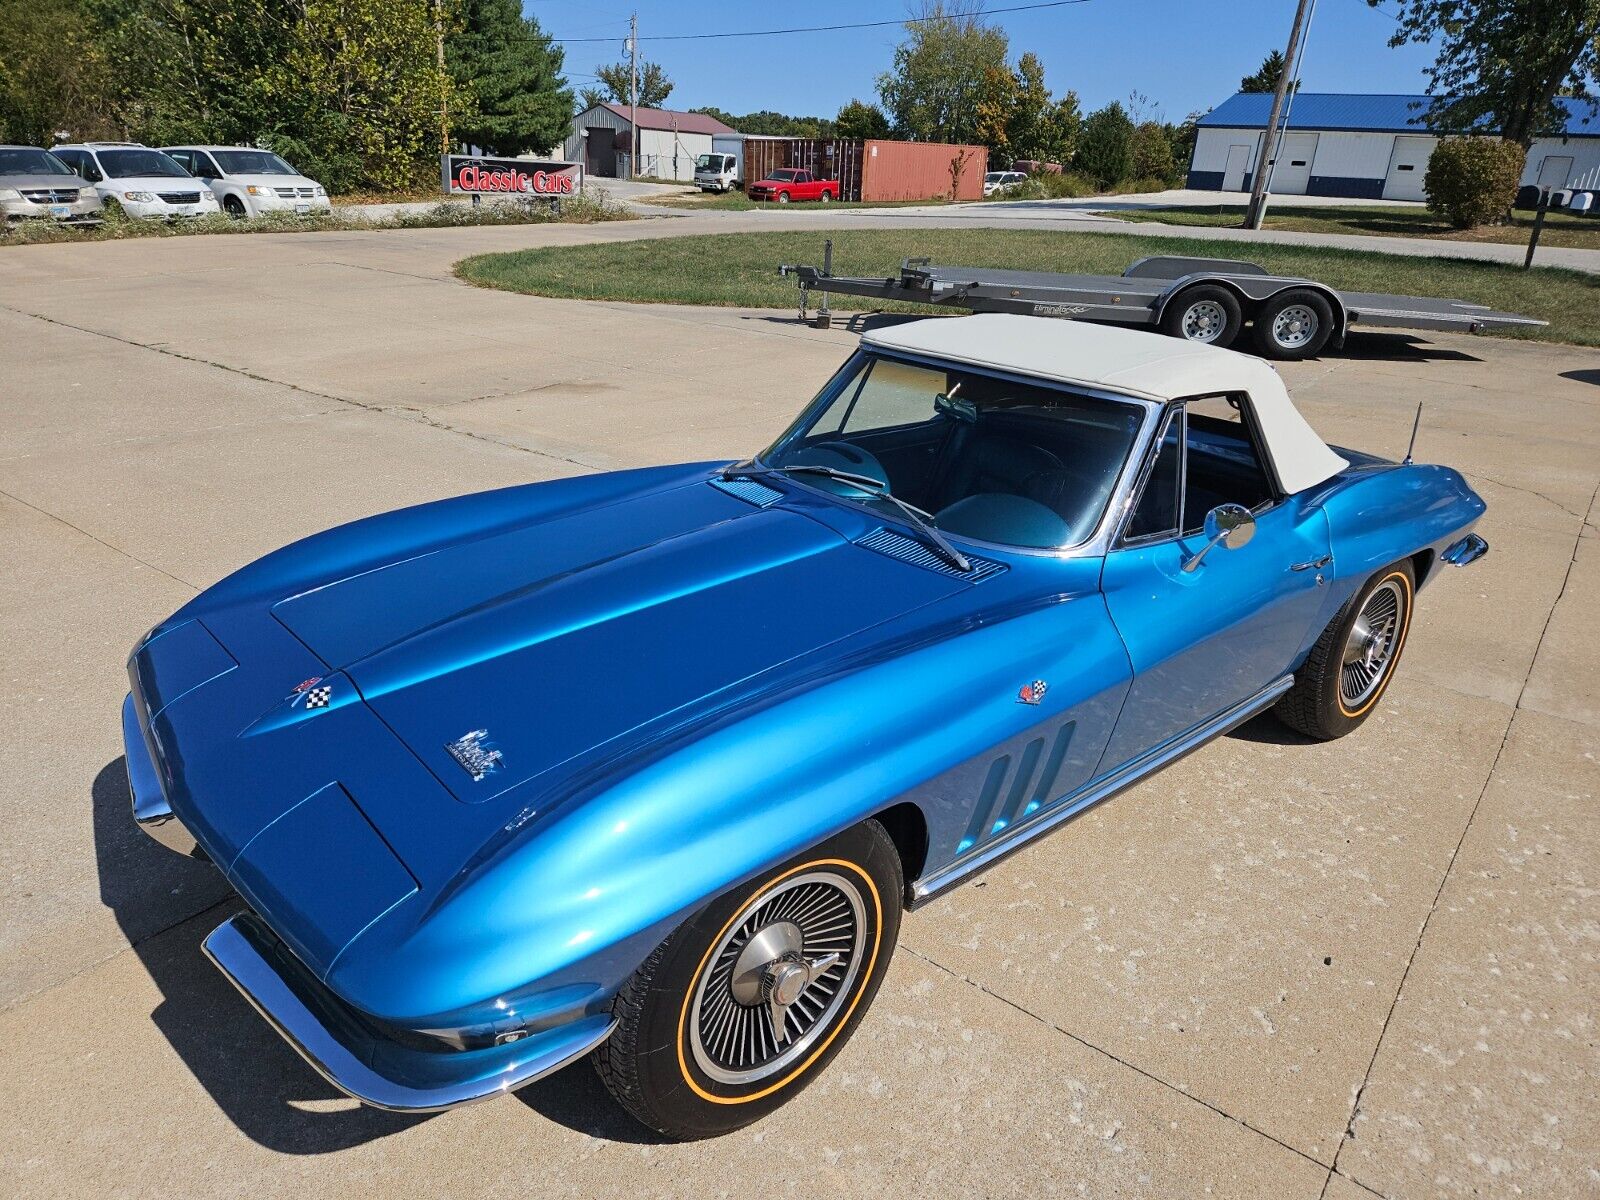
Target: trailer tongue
[1201, 299]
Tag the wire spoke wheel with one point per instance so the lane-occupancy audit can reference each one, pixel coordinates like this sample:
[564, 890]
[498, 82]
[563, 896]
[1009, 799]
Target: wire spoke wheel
[1369, 651]
[776, 981]
[1294, 326]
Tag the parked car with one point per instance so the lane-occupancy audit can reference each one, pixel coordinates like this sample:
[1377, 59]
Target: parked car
[717, 172]
[997, 181]
[791, 183]
[251, 183]
[649, 763]
[146, 184]
[35, 183]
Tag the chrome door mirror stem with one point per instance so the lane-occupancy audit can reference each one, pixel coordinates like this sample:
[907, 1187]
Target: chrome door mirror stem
[1232, 525]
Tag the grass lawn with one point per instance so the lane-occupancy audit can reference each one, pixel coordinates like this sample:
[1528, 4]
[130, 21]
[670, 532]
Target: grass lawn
[739, 202]
[1560, 229]
[740, 269]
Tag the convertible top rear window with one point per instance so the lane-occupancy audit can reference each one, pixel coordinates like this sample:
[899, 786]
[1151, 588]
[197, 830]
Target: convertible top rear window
[994, 459]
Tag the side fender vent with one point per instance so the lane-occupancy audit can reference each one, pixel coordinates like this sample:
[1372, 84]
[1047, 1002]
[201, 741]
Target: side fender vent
[907, 549]
[749, 491]
[1024, 794]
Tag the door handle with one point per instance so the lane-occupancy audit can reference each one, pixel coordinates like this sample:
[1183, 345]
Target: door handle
[1315, 564]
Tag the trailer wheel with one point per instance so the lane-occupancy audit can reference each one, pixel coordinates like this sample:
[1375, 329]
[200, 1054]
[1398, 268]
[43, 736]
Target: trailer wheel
[1294, 324]
[1208, 314]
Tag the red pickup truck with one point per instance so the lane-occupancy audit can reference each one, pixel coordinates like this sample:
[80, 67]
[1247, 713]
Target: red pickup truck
[791, 183]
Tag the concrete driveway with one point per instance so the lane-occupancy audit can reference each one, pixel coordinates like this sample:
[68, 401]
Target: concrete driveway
[1278, 970]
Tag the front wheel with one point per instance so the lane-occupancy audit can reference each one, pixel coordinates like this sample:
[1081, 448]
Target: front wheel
[747, 1001]
[1293, 325]
[1208, 314]
[1349, 668]
[783, 197]
[234, 207]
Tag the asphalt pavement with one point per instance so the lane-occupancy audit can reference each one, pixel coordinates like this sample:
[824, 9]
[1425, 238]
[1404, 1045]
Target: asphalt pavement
[1277, 969]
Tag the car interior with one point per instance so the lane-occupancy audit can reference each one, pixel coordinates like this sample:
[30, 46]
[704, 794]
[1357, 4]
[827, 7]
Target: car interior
[991, 459]
[1224, 466]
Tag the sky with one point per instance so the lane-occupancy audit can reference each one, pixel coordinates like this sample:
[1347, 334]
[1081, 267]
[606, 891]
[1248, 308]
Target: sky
[1185, 57]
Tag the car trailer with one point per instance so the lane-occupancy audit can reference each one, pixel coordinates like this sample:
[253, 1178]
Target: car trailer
[1207, 300]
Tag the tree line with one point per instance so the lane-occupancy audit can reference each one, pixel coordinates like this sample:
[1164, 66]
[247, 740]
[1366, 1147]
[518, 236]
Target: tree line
[361, 94]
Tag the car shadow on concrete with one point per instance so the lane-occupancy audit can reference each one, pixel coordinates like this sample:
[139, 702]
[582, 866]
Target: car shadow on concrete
[266, 1089]
[1583, 376]
[1266, 729]
[1369, 346]
[575, 1097]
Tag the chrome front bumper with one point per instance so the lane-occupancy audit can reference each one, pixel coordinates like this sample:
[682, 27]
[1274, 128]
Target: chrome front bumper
[150, 808]
[361, 1063]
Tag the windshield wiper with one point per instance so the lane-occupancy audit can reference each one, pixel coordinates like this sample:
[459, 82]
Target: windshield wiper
[922, 520]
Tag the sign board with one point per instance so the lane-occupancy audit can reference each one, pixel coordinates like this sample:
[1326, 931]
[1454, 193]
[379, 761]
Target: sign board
[475, 175]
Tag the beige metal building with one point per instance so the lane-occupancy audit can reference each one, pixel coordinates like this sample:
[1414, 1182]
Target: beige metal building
[601, 138]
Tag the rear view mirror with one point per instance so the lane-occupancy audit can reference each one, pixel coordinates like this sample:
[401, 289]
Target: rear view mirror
[947, 405]
[1229, 525]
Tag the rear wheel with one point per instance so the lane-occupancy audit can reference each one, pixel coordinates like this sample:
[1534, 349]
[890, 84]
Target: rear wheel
[1349, 668]
[746, 1002]
[1294, 324]
[1208, 314]
[825, 198]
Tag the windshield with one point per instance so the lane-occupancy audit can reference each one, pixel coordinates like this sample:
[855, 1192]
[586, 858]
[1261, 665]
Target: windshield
[786, 176]
[252, 162]
[994, 176]
[711, 162]
[1013, 463]
[28, 161]
[140, 164]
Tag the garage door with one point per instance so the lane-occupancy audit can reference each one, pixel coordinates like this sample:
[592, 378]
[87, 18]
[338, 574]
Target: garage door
[1408, 165]
[1553, 171]
[1293, 173]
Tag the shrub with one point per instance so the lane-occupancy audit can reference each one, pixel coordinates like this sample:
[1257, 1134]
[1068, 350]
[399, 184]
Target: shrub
[1150, 152]
[1048, 185]
[1105, 152]
[1473, 180]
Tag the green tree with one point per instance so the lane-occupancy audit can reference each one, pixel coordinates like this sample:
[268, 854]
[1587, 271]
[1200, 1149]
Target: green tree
[1104, 152]
[509, 74]
[52, 72]
[1150, 152]
[1502, 63]
[654, 86]
[938, 80]
[997, 103]
[1066, 124]
[1031, 131]
[858, 119]
[1267, 75]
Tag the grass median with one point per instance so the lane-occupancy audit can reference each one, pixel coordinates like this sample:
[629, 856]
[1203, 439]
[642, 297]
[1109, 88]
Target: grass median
[1560, 228]
[740, 269]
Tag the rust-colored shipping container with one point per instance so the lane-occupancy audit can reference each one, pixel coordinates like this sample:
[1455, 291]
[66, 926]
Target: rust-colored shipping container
[922, 171]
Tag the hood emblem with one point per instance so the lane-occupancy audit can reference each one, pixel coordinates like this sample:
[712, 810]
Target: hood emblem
[317, 697]
[1032, 693]
[475, 758]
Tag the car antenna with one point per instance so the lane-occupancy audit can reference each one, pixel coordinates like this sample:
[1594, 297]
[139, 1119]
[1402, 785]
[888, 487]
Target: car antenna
[1412, 444]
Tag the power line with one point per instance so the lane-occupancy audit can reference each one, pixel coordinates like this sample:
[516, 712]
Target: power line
[696, 37]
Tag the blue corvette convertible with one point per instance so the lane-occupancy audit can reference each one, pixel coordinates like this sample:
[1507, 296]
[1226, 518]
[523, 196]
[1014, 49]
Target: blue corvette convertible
[648, 764]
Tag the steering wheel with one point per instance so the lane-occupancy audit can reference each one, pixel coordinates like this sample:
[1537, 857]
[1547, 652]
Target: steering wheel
[841, 456]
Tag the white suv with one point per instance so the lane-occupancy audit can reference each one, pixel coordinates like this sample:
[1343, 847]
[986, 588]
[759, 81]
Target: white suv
[145, 183]
[249, 183]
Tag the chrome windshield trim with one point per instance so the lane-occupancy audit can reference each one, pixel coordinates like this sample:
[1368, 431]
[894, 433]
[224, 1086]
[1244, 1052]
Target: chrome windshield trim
[235, 947]
[1117, 505]
[1092, 793]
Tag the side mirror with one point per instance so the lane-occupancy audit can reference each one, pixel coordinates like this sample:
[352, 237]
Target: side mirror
[1230, 525]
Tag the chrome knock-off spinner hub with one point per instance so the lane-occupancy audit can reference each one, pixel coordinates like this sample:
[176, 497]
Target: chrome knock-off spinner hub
[1369, 650]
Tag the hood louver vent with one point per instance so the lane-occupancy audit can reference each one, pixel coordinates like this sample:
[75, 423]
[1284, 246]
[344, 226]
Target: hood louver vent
[749, 491]
[907, 549]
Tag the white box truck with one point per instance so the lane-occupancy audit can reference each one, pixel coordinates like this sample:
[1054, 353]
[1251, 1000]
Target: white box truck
[723, 169]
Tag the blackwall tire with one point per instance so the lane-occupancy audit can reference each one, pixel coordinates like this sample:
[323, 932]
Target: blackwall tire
[802, 948]
[1208, 314]
[1293, 325]
[1350, 667]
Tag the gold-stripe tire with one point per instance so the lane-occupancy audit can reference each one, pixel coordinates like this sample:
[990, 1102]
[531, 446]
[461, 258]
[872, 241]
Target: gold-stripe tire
[1331, 696]
[658, 1063]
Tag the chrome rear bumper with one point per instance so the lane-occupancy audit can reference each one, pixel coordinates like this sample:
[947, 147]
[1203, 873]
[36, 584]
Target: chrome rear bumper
[360, 1063]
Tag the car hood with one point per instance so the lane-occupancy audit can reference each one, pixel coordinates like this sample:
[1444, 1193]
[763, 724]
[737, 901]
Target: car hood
[272, 181]
[32, 182]
[156, 183]
[524, 651]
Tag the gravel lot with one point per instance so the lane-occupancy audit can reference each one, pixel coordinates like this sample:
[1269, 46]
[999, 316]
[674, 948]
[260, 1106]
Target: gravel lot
[1277, 970]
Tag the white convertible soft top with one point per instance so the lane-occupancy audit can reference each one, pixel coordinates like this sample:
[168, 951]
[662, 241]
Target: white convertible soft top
[1148, 365]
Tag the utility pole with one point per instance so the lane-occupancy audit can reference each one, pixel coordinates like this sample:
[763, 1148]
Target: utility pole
[633, 91]
[444, 95]
[1269, 141]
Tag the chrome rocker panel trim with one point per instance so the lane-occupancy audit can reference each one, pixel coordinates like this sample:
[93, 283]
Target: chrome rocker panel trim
[150, 808]
[1091, 794]
[1468, 550]
[241, 946]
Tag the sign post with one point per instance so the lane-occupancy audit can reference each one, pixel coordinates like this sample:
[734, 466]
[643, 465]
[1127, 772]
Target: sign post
[527, 178]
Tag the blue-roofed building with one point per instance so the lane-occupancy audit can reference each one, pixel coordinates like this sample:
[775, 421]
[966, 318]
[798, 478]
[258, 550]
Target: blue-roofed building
[1374, 146]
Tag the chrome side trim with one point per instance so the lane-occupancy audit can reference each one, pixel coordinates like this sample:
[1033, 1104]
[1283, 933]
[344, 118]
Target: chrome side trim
[151, 811]
[1095, 791]
[1468, 550]
[237, 955]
